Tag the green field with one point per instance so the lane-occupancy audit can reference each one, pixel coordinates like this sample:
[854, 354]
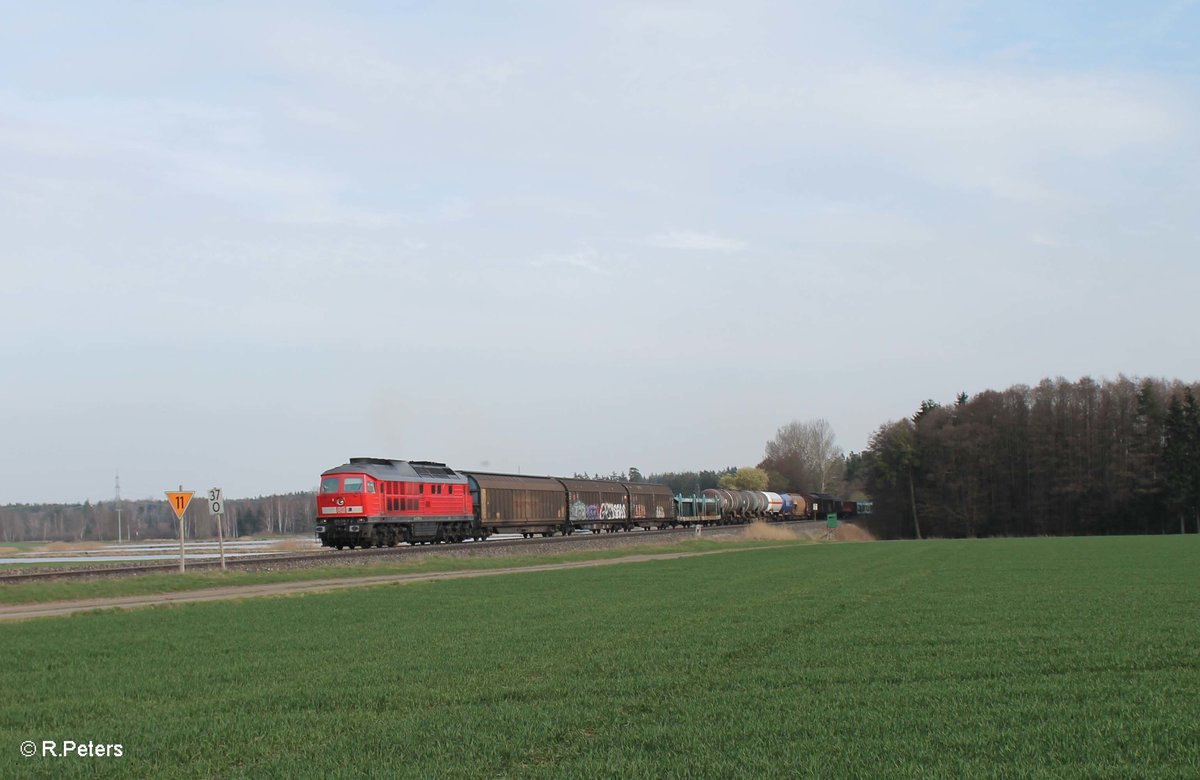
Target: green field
[1008, 658]
[173, 582]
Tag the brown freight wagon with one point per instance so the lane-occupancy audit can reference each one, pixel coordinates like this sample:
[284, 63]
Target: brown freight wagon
[822, 504]
[517, 504]
[596, 505]
[651, 506]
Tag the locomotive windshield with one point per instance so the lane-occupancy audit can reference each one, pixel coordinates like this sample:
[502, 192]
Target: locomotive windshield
[329, 485]
[352, 485]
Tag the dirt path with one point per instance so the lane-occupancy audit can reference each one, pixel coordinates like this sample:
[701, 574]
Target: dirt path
[58, 608]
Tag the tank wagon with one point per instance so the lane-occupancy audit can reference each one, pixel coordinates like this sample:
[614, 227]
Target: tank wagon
[742, 505]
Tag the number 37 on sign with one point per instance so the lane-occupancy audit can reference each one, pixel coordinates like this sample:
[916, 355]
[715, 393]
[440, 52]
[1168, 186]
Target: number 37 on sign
[216, 502]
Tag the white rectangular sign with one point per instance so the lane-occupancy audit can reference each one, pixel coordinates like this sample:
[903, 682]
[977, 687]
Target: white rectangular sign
[216, 502]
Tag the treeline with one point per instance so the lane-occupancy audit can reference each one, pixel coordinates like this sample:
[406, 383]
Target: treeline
[150, 519]
[680, 482]
[686, 483]
[1061, 458]
[633, 475]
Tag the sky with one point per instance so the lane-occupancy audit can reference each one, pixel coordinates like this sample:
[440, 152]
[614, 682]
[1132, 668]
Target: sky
[242, 242]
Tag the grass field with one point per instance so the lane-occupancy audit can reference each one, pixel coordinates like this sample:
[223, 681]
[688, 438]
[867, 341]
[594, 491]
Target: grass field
[1039, 657]
[173, 582]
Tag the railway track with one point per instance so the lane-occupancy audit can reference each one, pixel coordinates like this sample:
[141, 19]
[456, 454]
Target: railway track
[317, 557]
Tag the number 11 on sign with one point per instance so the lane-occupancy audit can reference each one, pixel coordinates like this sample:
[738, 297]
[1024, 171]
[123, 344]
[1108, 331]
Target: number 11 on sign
[179, 500]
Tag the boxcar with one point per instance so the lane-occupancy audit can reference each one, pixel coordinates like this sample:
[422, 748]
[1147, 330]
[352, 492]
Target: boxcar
[595, 505]
[514, 503]
[651, 505]
[823, 504]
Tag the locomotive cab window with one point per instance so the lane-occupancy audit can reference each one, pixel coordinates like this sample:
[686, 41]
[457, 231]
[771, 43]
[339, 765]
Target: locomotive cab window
[352, 485]
[329, 485]
[370, 487]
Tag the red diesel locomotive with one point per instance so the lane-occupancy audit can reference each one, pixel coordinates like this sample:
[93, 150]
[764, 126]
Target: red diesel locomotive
[375, 502]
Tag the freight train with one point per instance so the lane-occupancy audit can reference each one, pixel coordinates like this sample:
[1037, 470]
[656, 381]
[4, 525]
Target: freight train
[376, 502]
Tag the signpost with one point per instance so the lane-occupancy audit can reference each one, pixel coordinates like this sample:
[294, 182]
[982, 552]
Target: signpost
[216, 508]
[179, 500]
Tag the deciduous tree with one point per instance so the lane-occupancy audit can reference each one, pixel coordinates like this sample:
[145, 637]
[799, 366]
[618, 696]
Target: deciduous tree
[805, 456]
[747, 478]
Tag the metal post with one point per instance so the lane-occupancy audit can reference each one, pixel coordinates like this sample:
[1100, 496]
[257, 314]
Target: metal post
[181, 566]
[117, 501]
[221, 537]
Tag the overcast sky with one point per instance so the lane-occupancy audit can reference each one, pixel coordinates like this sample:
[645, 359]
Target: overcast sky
[243, 242]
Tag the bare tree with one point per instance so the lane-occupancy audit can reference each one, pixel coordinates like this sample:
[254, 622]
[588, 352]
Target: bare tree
[803, 455]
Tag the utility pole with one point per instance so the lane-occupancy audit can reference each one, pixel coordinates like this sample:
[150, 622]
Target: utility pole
[117, 500]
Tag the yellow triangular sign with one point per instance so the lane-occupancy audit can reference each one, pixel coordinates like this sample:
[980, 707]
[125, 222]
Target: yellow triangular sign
[179, 501]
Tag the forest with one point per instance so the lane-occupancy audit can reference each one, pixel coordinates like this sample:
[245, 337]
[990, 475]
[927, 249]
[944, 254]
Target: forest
[1061, 458]
[153, 519]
